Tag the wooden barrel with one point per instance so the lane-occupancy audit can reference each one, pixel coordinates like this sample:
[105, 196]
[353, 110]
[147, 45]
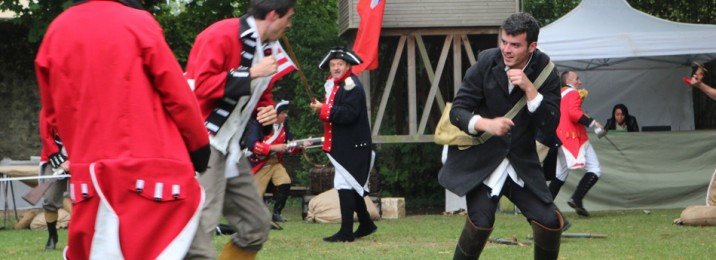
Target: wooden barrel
[321, 179]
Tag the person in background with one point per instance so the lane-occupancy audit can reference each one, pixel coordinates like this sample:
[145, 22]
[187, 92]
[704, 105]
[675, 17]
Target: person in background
[506, 164]
[53, 158]
[265, 149]
[112, 89]
[621, 120]
[347, 141]
[576, 152]
[230, 68]
[696, 81]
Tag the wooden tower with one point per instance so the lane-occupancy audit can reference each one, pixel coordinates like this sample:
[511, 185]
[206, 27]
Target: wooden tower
[433, 35]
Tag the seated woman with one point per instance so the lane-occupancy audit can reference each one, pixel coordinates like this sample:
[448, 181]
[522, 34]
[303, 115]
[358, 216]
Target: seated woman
[621, 121]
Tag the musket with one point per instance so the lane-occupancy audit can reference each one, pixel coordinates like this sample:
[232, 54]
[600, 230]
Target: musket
[315, 143]
[578, 235]
[584, 235]
[34, 195]
[298, 67]
[513, 242]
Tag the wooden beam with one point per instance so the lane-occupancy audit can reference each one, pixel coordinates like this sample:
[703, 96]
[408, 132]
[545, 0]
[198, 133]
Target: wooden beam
[412, 97]
[434, 86]
[429, 69]
[440, 31]
[468, 49]
[389, 85]
[457, 63]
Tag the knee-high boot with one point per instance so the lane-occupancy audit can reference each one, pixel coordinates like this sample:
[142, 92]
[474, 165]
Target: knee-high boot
[348, 205]
[366, 226]
[554, 187]
[280, 196]
[547, 240]
[51, 218]
[586, 183]
[472, 241]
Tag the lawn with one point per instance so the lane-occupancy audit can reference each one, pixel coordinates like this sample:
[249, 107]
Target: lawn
[633, 234]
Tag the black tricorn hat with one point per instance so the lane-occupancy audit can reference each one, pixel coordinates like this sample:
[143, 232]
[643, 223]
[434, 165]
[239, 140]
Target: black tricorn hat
[339, 52]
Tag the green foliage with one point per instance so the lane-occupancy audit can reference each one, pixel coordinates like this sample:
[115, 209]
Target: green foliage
[411, 170]
[548, 11]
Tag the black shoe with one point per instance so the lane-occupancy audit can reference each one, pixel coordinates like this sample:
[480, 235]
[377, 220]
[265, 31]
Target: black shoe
[275, 226]
[338, 237]
[361, 231]
[51, 244]
[578, 208]
[278, 218]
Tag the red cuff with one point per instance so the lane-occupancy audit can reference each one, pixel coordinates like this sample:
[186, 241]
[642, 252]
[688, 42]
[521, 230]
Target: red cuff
[262, 148]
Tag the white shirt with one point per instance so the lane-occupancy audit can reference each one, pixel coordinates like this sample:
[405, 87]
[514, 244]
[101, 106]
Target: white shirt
[497, 178]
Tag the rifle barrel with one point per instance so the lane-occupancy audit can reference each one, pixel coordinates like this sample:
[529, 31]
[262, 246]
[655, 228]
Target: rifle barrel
[36, 177]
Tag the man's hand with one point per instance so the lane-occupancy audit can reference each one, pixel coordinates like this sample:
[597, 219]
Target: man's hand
[266, 67]
[65, 166]
[279, 148]
[316, 106]
[497, 126]
[695, 80]
[266, 115]
[598, 125]
[518, 78]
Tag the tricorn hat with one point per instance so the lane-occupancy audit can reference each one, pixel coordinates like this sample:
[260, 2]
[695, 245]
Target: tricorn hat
[339, 52]
[283, 105]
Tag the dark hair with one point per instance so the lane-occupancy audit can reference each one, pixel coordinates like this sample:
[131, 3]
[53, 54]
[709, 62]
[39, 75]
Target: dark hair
[624, 109]
[563, 78]
[260, 8]
[519, 23]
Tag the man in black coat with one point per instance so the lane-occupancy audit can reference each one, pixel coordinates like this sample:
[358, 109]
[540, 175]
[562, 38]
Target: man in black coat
[347, 141]
[506, 164]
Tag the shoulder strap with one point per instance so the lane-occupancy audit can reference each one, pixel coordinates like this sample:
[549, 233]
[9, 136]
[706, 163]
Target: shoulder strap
[523, 101]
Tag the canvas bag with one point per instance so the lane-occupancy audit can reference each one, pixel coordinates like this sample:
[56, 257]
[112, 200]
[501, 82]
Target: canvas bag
[448, 134]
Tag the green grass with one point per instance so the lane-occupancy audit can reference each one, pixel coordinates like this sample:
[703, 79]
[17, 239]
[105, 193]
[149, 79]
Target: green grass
[632, 235]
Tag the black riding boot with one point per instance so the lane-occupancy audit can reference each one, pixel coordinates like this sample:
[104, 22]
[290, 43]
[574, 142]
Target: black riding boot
[554, 187]
[471, 242]
[586, 183]
[366, 226]
[52, 239]
[280, 196]
[546, 239]
[348, 206]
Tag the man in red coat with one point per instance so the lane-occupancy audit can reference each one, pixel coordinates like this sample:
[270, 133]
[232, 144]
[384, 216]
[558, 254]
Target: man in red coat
[230, 68]
[576, 152]
[113, 90]
[52, 158]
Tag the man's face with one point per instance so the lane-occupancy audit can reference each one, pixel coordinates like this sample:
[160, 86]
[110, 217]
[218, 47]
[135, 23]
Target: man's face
[573, 79]
[281, 117]
[338, 67]
[515, 50]
[278, 24]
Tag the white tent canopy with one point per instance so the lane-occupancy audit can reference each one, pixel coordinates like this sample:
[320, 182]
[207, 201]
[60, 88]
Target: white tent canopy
[626, 56]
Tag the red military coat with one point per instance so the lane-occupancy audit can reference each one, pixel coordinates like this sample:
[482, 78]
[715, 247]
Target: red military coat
[571, 130]
[112, 88]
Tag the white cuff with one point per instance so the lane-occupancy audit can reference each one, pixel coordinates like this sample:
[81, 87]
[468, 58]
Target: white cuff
[471, 127]
[533, 104]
